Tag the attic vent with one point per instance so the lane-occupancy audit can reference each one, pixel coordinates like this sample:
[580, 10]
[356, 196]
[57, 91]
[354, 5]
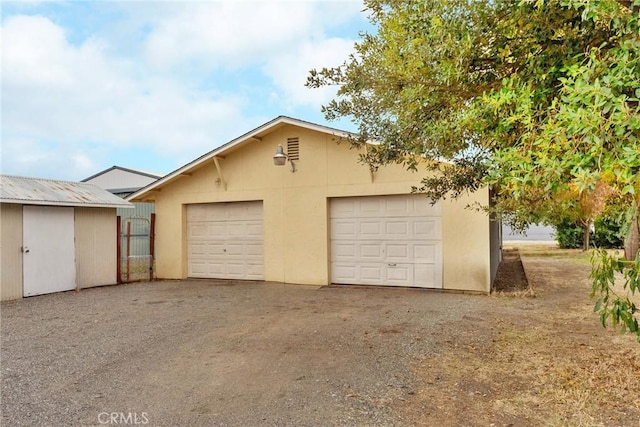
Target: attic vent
[293, 149]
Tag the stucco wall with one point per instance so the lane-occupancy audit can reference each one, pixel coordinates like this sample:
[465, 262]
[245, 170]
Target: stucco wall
[95, 233]
[296, 239]
[10, 251]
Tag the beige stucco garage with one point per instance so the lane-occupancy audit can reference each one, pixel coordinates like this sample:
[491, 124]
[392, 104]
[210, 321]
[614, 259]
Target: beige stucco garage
[321, 218]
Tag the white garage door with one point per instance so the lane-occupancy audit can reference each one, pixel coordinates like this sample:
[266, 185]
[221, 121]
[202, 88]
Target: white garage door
[386, 240]
[224, 241]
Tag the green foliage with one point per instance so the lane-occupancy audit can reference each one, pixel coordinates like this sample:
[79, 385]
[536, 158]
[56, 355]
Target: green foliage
[607, 235]
[608, 232]
[537, 99]
[614, 303]
[569, 234]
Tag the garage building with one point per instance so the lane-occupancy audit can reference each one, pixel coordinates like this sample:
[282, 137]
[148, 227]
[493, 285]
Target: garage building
[55, 236]
[290, 202]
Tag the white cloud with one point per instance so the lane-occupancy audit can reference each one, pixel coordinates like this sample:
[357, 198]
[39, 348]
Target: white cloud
[75, 95]
[289, 70]
[227, 34]
[170, 79]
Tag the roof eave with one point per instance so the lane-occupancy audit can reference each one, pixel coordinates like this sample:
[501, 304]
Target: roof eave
[67, 204]
[231, 144]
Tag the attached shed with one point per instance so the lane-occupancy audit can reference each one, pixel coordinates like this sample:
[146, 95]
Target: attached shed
[321, 217]
[55, 236]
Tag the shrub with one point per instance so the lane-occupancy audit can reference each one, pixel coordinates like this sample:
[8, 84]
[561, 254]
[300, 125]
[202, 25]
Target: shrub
[569, 234]
[607, 235]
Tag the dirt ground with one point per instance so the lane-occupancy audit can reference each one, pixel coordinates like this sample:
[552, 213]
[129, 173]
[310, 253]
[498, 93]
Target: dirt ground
[203, 353]
[547, 360]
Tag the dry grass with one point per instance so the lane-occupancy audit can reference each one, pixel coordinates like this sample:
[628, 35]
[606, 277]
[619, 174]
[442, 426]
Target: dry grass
[552, 365]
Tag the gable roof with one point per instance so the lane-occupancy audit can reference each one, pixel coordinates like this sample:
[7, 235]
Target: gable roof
[115, 167]
[255, 133]
[41, 191]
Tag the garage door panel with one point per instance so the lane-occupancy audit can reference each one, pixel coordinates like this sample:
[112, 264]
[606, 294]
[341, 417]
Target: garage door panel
[236, 270]
[254, 230]
[231, 246]
[196, 213]
[397, 229]
[425, 253]
[400, 274]
[343, 208]
[344, 228]
[254, 250]
[197, 268]
[372, 273]
[420, 208]
[254, 270]
[398, 206]
[370, 206]
[215, 250]
[371, 251]
[398, 252]
[197, 230]
[344, 273]
[215, 269]
[369, 229]
[344, 250]
[427, 229]
[234, 249]
[197, 250]
[212, 228]
[239, 230]
[427, 275]
[254, 210]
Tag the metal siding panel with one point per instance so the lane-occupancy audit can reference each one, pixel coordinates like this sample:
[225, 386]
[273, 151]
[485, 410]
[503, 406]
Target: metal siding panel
[140, 210]
[10, 251]
[95, 230]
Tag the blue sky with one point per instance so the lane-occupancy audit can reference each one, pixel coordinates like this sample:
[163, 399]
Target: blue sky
[153, 85]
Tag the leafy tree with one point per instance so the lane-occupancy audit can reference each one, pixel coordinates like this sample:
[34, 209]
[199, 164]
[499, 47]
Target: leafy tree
[538, 99]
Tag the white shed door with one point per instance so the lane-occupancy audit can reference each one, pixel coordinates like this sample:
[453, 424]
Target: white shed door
[225, 241]
[49, 250]
[386, 240]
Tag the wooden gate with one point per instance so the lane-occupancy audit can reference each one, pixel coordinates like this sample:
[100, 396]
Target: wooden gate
[136, 239]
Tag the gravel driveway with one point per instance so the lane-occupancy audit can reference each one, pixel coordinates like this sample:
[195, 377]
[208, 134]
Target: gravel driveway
[204, 353]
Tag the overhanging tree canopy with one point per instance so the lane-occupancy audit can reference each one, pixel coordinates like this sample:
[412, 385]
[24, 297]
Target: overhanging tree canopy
[538, 99]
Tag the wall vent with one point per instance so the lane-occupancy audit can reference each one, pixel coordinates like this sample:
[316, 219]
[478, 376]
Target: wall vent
[293, 149]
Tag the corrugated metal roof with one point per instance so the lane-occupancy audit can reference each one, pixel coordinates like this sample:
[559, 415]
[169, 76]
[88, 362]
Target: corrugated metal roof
[40, 191]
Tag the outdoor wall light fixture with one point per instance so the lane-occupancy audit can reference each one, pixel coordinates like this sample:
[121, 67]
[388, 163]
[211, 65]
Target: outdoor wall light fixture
[280, 158]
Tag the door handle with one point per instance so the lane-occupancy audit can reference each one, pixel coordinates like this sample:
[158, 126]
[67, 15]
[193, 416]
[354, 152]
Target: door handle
[24, 249]
[393, 264]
